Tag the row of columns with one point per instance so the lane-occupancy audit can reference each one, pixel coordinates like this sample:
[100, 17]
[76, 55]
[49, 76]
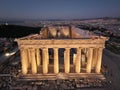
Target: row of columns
[31, 58]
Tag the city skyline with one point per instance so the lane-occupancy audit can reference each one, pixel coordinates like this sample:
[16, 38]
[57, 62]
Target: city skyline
[62, 9]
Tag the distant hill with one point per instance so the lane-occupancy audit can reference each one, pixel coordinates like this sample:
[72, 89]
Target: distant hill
[16, 31]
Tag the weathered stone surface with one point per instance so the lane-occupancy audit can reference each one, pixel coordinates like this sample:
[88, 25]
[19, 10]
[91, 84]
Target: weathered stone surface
[37, 58]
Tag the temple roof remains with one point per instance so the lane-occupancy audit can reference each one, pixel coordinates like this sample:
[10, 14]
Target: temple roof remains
[61, 32]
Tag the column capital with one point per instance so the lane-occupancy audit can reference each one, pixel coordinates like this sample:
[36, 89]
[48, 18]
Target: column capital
[37, 48]
[67, 48]
[91, 47]
[101, 47]
[44, 48]
[22, 49]
[79, 48]
[32, 49]
[55, 48]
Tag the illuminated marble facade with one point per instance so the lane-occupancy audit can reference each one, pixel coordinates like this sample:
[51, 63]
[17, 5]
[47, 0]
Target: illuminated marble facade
[80, 51]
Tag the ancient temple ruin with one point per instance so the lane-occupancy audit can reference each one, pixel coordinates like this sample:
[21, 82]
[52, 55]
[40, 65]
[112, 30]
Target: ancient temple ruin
[60, 52]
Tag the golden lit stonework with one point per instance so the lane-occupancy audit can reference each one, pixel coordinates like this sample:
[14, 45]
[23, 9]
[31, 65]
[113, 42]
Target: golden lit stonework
[61, 52]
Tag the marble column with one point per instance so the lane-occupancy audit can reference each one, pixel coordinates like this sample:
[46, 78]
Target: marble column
[56, 61]
[78, 61]
[74, 58]
[99, 61]
[29, 58]
[67, 60]
[83, 60]
[33, 61]
[64, 59]
[95, 55]
[24, 61]
[89, 60]
[38, 57]
[45, 61]
[47, 55]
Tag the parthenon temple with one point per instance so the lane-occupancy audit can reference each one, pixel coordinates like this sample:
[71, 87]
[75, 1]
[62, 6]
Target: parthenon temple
[61, 50]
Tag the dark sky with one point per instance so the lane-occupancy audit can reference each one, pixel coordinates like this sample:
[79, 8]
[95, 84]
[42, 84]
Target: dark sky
[59, 9]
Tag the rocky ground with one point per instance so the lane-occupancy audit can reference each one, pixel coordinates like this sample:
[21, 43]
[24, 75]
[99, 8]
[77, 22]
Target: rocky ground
[112, 62]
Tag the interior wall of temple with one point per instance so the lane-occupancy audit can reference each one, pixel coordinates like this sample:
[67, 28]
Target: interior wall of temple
[56, 32]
